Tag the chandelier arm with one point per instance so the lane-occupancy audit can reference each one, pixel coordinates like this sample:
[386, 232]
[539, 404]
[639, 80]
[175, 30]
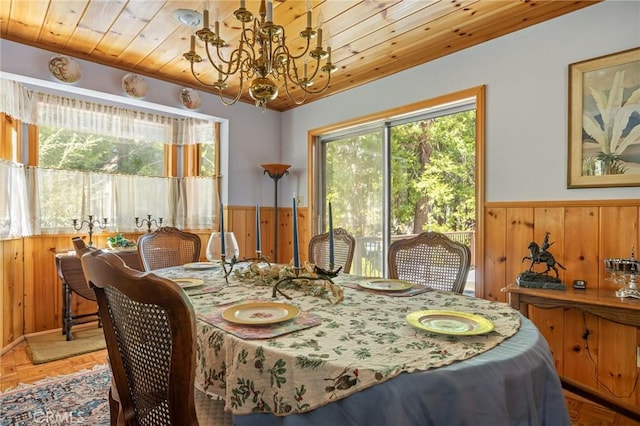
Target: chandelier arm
[193, 72]
[293, 99]
[320, 89]
[235, 99]
[224, 61]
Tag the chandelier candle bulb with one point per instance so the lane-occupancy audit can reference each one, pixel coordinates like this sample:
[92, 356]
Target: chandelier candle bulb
[193, 43]
[205, 17]
[309, 7]
[242, 4]
[319, 38]
[269, 11]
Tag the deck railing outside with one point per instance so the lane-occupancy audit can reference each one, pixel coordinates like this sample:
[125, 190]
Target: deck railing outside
[367, 258]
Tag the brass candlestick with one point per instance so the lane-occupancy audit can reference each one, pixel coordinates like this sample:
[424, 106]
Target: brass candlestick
[149, 222]
[91, 223]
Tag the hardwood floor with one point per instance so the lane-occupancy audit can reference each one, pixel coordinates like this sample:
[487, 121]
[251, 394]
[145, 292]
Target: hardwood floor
[16, 368]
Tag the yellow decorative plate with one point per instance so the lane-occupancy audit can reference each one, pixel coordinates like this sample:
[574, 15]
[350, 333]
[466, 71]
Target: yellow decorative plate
[187, 282]
[200, 265]
[450, 322]
[386, 285]
[260, 313]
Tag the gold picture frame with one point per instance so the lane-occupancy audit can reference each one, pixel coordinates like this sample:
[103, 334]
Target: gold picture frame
[604, 121]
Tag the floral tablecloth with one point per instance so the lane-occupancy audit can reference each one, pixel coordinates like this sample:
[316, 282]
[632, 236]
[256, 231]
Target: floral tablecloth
[361, 342]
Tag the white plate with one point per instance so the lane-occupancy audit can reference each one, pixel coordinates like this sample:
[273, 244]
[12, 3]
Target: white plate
[260, 313]
[188, 282]
[386, 285]
[200, 265]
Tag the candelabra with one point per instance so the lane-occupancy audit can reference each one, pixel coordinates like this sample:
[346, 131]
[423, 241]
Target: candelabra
[275, 172]
[318, 274]
[91, 223]
[148, 221]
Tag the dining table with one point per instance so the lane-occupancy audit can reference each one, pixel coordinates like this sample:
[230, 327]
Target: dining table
[354, 350]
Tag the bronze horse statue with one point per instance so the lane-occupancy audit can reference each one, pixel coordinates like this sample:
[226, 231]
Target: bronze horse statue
[542, 256]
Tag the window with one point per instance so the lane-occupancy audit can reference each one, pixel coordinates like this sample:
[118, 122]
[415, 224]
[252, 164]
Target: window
[410, 172]
[109, 162]
[70, 150]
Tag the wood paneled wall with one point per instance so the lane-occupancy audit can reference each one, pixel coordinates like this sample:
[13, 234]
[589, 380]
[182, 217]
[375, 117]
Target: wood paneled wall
[597, 352]
[31, 296]
[594, 351]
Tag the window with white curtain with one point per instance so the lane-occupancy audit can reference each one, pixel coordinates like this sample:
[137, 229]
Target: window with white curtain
[103, 161]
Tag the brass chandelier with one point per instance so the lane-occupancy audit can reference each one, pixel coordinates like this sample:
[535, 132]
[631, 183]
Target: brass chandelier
[262, 57]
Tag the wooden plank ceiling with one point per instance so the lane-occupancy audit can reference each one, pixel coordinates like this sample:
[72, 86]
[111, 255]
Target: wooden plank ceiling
[370, 39]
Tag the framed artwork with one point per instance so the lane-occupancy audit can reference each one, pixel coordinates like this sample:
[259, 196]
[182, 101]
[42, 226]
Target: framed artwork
[604, 121]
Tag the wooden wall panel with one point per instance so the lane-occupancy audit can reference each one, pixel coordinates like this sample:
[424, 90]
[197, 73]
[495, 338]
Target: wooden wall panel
[618, 235]
[519, 234]
[551, 220]
[581, 244]
[12, 290]
[580, 347]
[495, 254]
[617, 361]
[550, 322]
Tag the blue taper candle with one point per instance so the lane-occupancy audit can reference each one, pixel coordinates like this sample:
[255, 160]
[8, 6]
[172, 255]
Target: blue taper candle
[258, 245]
[223, 250]
[296, 254]
[331, 258]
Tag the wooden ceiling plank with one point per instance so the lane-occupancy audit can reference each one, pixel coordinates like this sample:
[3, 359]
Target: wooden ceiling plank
[61, 20]
[126, 27]
[95, 23]
[153, 35]
[5, 10]
[25, 19]
[381, 65]
[370, 38]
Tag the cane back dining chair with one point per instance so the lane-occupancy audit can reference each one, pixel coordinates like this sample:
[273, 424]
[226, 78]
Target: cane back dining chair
[168, 246]
[343, 247]
[430, 259]
[149, 327]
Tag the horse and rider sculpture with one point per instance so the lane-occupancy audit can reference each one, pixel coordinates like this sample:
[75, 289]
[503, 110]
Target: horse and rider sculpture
[540, 255]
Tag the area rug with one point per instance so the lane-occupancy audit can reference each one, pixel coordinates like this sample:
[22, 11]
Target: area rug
[48, 347]
[79, 398]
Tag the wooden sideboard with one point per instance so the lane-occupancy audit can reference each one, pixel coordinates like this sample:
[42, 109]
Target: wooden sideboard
[593, 324]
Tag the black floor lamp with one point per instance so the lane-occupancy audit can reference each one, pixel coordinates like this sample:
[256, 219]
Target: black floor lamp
[275, 172]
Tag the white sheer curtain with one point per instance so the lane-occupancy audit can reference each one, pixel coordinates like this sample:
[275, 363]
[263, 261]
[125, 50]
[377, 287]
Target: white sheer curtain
[45, 201]
[14, 201]
[198, 203]
[66, 195]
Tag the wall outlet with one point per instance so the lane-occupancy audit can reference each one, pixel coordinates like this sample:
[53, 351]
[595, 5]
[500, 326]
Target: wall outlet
[300, 200]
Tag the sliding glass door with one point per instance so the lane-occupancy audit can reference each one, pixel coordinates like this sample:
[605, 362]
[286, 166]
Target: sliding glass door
[394, 179]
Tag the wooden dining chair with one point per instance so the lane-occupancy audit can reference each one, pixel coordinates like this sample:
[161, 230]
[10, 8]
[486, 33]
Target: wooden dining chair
[430, 259]
[343, 247]
[149, 328]
[168, 246]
